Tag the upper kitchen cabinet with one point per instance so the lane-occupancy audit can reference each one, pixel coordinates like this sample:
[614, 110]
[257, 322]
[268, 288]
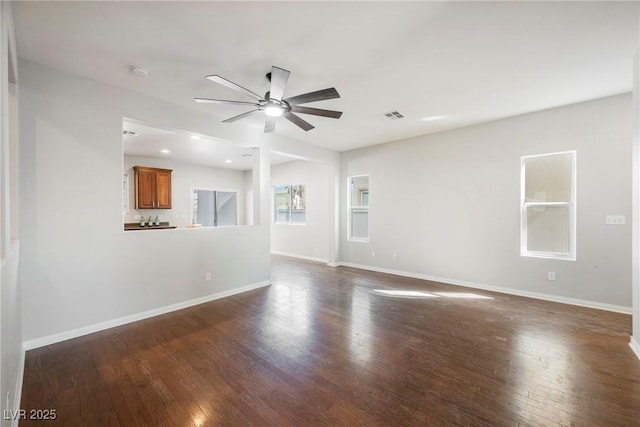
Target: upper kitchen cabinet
[153, 188]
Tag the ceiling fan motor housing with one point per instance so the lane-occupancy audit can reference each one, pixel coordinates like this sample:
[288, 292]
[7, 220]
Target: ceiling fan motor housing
[277, 106]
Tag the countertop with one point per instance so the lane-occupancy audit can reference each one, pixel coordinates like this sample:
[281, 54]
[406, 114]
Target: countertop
[136, 226]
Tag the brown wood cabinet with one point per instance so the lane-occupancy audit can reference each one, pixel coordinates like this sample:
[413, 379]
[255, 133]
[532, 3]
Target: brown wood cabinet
[153, 188]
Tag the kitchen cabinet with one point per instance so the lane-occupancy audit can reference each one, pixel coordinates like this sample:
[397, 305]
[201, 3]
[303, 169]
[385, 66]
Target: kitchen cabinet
[153, 188]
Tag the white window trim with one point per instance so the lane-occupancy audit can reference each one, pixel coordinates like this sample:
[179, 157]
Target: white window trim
[571, 255]
[351, 208]
[125, 195]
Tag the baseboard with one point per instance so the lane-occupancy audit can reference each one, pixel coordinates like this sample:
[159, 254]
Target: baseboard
[635, 346]
[17, 392]
[63, 336]
[308, 258]
[499, 289]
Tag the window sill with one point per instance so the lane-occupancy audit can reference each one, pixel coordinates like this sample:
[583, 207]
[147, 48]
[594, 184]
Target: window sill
[561, 257]
[356, 240]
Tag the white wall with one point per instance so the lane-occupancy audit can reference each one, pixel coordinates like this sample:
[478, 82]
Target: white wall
[448, 203]
[11, 322]
[184, 177]
[10, 284]
[80, 268]
[248, 197]
[635, 338]
[312, 239]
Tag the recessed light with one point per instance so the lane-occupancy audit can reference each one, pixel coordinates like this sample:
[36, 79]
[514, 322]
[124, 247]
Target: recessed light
[228, 161]
[165, 151]
[139, 71]
[195, 137]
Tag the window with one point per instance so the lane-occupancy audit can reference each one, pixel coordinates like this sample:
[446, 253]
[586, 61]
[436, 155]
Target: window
[548, 211]
[211, 208]
[289, 204]
[359, 208]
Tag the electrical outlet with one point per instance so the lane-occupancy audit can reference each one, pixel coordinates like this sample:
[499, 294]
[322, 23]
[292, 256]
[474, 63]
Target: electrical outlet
[207, 276]
[551, 275]
[395, 257]
[373, 254]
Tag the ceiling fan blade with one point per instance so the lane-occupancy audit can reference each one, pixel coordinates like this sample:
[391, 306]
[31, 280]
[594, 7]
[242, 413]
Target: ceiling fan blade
[319, 95]
[302, 124]
[317, 112]
[270, 125]
[279, 79]
[224, 82]
[239, 116]
[223, 101]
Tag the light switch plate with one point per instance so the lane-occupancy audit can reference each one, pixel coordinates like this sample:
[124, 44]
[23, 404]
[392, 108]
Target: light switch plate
[614, 220]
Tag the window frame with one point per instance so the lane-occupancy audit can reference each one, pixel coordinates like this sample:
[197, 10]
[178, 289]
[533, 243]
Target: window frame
[571, 204]
[351, 209]
[273, 211]
[125, 193]
[215, 210]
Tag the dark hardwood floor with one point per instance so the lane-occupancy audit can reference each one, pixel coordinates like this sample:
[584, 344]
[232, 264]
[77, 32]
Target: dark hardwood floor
[339, 346]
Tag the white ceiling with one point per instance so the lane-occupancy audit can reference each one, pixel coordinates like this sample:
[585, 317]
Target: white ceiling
[441, 64]
[150, 141]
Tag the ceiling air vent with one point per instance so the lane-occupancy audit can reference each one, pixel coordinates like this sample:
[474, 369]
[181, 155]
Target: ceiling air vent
[391, 115]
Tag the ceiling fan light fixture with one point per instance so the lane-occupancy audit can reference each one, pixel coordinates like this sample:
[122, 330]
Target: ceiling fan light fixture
[273, 110]
[273, 104]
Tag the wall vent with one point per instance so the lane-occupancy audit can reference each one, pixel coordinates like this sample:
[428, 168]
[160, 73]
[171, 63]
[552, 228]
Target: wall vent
[391, 115]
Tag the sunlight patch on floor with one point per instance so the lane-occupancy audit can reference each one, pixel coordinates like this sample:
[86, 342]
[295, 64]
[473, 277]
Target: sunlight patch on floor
[467, 295]
[399, 293]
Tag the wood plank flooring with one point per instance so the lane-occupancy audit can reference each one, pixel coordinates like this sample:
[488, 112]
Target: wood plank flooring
[339, 346]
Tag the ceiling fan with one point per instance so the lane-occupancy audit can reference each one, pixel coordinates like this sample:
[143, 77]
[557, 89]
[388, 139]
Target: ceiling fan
[273, 103]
